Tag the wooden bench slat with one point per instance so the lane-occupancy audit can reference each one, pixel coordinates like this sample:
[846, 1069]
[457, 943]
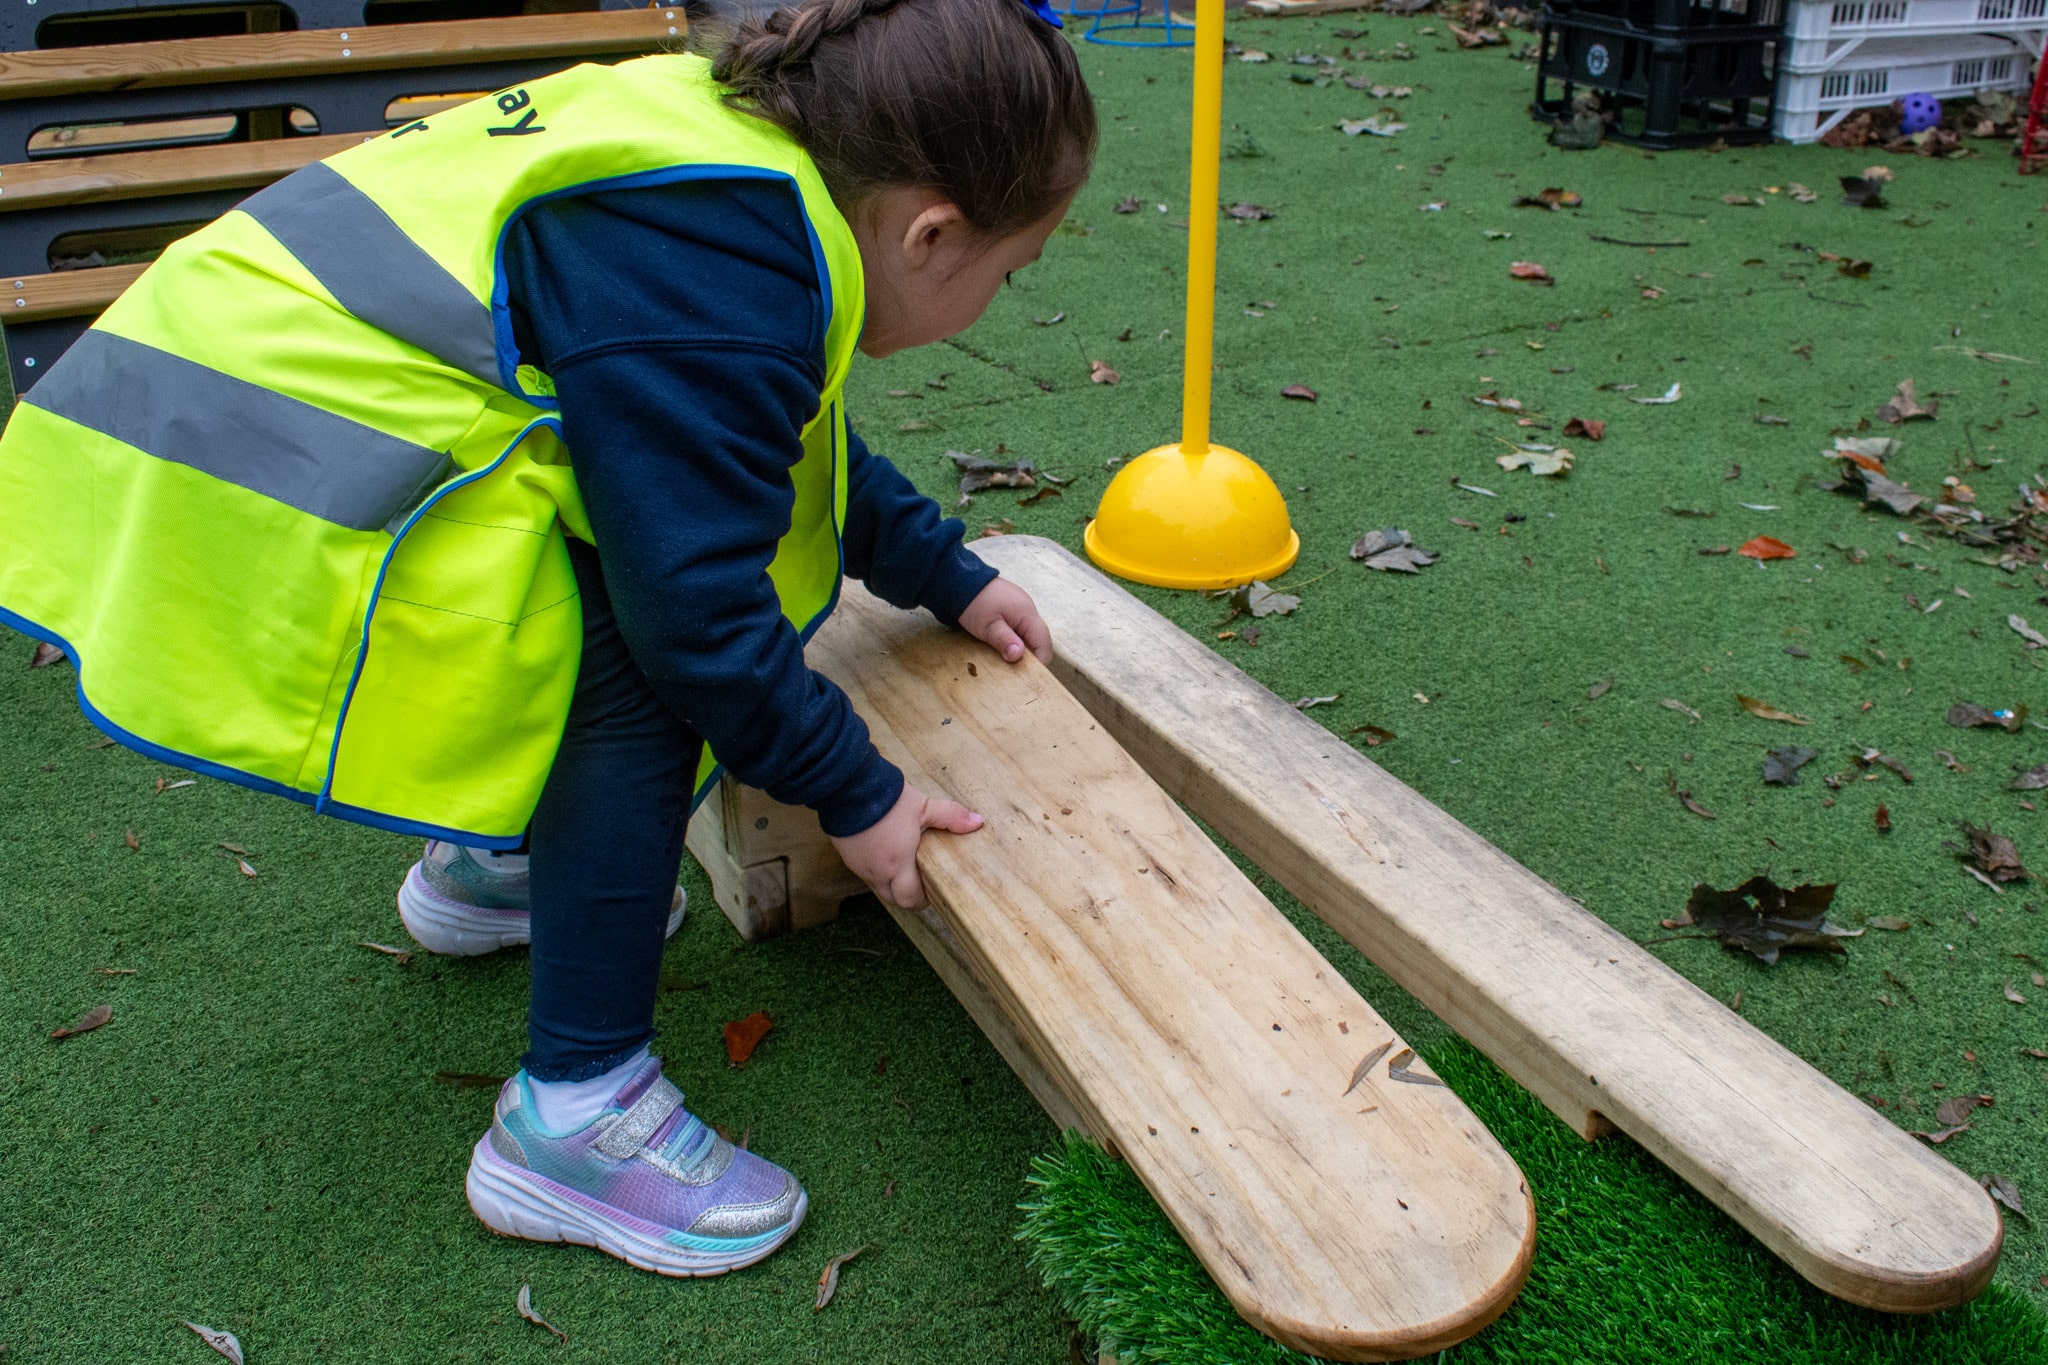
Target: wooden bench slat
[66, 293]
[260, 56]
[1597, 1028]
[1179, 1014]
[173, 170]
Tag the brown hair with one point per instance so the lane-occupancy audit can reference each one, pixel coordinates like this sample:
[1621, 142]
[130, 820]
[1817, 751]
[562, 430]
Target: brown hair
[979, 100]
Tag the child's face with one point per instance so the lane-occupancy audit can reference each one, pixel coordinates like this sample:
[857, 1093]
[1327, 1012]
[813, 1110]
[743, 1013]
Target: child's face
[929, 273]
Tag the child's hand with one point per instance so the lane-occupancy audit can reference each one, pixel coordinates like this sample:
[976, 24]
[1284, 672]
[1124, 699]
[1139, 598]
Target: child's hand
[884, 855]
[1003, 617]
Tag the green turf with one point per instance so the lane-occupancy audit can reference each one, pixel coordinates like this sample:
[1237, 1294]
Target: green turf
[257, 1141]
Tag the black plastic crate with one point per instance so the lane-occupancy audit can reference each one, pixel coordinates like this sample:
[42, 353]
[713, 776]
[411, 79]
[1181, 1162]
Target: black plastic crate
[1669, 73]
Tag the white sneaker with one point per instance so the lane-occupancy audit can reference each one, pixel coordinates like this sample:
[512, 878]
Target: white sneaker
[464, 901]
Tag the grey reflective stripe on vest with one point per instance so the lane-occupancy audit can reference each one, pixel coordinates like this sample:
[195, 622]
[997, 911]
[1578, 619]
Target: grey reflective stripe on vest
[374, 270]
[267, 442]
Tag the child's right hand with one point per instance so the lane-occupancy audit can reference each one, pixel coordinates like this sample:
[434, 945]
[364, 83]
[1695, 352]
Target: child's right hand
[884, 855]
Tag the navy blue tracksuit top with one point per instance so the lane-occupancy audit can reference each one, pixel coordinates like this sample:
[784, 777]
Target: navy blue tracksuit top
[684, 327]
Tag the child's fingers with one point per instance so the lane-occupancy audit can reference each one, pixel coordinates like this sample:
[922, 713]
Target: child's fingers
[950, 816]
[1003, 640]
[1037, 636]
[906, 892]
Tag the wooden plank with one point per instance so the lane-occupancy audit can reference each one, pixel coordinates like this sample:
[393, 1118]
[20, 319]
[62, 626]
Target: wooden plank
[1597, 1028]
[176, 170]
[772, 869]
[1185, 1016]
[260, 56]
[66, 294]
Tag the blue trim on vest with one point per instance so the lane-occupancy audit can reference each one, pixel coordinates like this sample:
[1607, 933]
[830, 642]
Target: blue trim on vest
[269, 786]
[501, 292]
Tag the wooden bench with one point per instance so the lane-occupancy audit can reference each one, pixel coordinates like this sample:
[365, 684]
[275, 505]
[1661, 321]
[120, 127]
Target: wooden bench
[1150, 995]
[42, 315]
[1602, 1032]
[346, 79]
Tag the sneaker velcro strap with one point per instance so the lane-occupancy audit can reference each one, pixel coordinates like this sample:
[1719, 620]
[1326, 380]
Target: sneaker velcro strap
[629, 1132]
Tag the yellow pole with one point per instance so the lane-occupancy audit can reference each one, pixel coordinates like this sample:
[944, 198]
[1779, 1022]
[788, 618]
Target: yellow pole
[1203, 163]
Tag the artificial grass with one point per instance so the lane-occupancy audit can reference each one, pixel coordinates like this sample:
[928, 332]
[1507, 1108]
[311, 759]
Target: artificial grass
[1630, 1265]
[296, 1176]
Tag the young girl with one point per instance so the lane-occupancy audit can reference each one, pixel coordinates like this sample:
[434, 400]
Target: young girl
[484, 481]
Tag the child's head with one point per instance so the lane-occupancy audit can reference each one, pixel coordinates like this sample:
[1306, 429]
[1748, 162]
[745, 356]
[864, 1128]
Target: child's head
[952, 133]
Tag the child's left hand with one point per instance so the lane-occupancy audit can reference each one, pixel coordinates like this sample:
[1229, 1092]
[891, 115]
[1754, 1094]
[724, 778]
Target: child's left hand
[1003, 617]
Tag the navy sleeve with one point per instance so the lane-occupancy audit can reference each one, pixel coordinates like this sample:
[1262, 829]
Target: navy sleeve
[901, 545]
[683, 327]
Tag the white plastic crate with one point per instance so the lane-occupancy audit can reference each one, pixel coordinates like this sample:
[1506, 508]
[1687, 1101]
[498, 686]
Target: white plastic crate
[1819, 32]
[1877, 71]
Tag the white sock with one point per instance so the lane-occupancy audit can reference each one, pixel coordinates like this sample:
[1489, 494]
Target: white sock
[565, 1106]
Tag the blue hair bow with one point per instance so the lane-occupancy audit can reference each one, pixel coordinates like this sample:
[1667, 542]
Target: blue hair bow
[1043, 9]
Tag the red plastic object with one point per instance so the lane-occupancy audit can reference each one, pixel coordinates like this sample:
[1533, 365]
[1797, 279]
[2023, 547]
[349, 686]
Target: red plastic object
[2034, 141]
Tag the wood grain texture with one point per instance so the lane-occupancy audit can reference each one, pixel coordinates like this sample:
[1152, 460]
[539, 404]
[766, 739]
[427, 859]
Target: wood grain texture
[172, 170]
[1597, 1028]
[67, 293]
[1189, 1023]
[258, 56]
[771, 867]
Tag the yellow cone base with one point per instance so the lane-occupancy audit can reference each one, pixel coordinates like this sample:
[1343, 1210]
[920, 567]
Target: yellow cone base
[1214, 520]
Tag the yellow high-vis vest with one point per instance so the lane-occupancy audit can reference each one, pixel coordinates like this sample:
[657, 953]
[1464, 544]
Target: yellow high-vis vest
[296, 508]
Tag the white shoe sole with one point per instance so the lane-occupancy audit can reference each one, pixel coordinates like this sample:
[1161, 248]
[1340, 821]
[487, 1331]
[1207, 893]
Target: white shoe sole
[452, 929]
[512, 1207]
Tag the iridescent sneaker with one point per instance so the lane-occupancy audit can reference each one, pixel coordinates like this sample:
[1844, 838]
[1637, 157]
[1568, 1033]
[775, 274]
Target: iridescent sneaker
[645, 1181]
[464, 901]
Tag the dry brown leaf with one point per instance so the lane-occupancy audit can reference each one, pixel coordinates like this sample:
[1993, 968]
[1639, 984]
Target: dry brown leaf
[1882, 817]
[1401, 1068]
[45, 655]
[2014, 995]
[1358, 1074]
[1299, 392]
[401, 956]
[1529, 270]
[1766, 547]
[1944, 1135]
[1905, 406]
[1958, 1108]
[223, 1343]
[1100, 373]
[1896, 924]
[128, 838]
[742, 1036]
[525, 1304]
[828, 1278]
[1599, 689]
[1763, 710]
[2001, 1189]
[1589, 427]
[96, 1017]
[1674, 704]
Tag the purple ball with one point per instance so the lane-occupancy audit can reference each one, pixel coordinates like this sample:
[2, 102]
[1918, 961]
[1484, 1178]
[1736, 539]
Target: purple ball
[1919, 113]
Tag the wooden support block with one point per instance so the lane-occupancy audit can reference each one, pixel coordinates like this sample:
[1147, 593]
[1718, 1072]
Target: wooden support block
[1183, 1017]
[260, 56]
[1595, 1027]
[772, 869]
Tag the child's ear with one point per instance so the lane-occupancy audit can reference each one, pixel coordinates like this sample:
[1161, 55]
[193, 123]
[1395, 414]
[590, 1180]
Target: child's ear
[927, 229]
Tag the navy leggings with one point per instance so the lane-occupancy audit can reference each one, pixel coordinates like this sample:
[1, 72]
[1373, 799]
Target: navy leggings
[606, 844]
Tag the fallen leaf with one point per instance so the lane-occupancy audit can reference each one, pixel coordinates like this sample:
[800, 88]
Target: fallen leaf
[45, 655]
[1599, 689]
[1746, 201]
[1671, 395]
[1554, 199]
[1861, 192]
[1943, 1136]
[1590, 428]
[1401, 1068]
[828, 1279]
[1878, 757]
[1358, 1073]
[1763, 710]
[1301, 392]
[1547, 462]
[1965, 715]
[1252, 54]
[242, 866]
[1890, 923]
[742, 1036]
[401, 956]
[1800, 194]
[1529, 270]
[525, 1305]
[2014, 995]
[223, 1343]
[1904, 406]
[1249, 213]
[96, 1017]
[1782, 765]
[1991, 856]
[2001, 1188]
[1377, 125]
[2034, 638]
[978, 474]
[1674, 704]
[1099, 372]
[1685, 799]
[1307, 703]
[1258, 599]
[1033, 499]
[2032, 780]
[469, 1080]
[1766, 547]
[1129, 204]
[1390, 549]
[1957, 1108]
[1764, 918]
[1875, 174]
[128, 838]
[1882, 817]
[233, 848]
[1771, 419]
[1055, 320]
[1375, 735]
[1492, 399]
